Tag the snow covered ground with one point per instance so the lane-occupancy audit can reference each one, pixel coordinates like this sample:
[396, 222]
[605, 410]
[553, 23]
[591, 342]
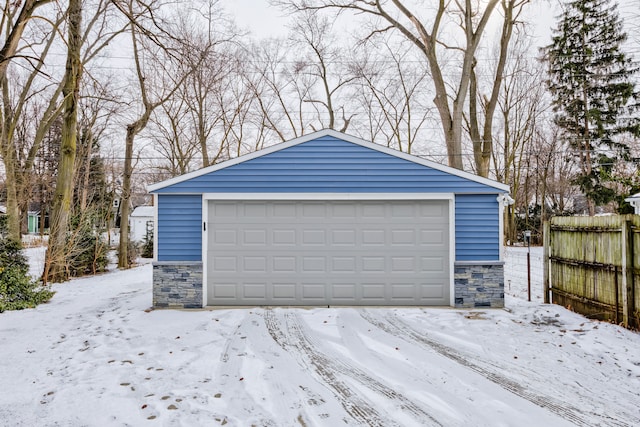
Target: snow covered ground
[97, 356]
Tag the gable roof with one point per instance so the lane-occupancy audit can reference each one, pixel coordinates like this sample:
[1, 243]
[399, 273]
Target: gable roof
[337, 135]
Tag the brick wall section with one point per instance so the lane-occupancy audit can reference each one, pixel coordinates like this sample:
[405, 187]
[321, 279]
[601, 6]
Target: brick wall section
[479, 285]
[177, 284]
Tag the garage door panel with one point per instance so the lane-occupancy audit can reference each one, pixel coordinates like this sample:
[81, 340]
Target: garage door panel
[225, 291]
[344, 210]
[437, 211]
[403, 291]
[402, 210]
[432, 291]
[284, 210]
[284, 237]
[373, 291]
[314, 237]
[284, 291]
[314, 291]
[373, 211]
[344, 291]
[343, 264]
[225, 237]
[432, 237]
[255, 264]
[254, 237]
[224, 263]
[433, 264]
[225, 210]
[373, 238]
[403, 264]
[343, 237]
[403, 237]
[319, 252]
[284, 264]
[254, 290]
[254, 210]
[314, 210]
[313, 264]
[370, 264]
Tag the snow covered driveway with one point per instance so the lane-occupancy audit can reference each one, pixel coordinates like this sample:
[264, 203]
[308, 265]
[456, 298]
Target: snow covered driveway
[95, 356]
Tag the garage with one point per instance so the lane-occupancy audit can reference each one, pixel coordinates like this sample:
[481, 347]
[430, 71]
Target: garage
[328, 219]
[328, 252]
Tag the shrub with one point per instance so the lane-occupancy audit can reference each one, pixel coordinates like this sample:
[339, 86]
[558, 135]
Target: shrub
[11, 256]
[133, 252]
[147, 245]
[17, 289]
[89, 253]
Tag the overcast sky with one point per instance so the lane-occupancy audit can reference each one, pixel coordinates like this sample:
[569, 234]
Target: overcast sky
[264, 20]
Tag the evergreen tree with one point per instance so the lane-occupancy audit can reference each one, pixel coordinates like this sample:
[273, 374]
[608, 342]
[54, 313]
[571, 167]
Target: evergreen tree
[590, 79]
[17, 289]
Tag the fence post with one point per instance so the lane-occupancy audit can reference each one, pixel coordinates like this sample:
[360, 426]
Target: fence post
[626, 283]
[546, 242]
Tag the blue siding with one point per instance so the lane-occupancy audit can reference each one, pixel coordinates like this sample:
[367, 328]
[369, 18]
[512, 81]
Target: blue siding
[327, 164]
[477, 228]
[179, 227]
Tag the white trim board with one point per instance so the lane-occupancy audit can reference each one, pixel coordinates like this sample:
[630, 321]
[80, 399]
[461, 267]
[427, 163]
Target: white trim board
[328, 196]
[450, 197]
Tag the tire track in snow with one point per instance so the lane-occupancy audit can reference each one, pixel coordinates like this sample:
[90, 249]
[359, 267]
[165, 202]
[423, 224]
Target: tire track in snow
[235, 350]
[330, 368]
[359, 409]
[397, 327]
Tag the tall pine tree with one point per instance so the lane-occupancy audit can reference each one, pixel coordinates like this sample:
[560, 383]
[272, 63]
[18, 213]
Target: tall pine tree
[590, 79]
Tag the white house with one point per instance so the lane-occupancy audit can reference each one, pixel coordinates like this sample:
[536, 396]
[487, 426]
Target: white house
[634, 200]
[140, 222]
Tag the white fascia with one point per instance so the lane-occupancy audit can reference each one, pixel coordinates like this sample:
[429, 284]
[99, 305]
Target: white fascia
[328, 196]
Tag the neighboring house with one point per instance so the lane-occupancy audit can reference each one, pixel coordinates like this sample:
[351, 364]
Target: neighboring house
[3, 210]
[140, 223]
[33, 222]
[328, 219]
[634, 200]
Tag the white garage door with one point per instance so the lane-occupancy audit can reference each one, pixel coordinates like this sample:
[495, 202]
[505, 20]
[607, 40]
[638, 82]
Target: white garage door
[328, 253]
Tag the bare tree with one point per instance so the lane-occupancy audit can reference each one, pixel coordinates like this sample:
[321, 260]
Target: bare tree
[98, 107]
[174, 136]
[482, 140]
[522, 108]
[425, 34]
[211, 41]
[31, 84]
[277, 88]
[15, 22]
[54, 269]
[392, 85]
[324, 64]
[159, 75]
[17, 94]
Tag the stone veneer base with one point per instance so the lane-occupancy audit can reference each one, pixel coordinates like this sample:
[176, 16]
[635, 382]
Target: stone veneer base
[479, 284]
[177, 284]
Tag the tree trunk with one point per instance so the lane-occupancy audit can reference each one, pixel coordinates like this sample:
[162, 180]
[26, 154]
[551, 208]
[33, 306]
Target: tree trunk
[55, 262]
[87, 169]
[7, 151]
[125, 199]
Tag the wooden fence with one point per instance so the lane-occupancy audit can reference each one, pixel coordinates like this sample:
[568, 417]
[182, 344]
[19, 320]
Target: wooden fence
[593, 266]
